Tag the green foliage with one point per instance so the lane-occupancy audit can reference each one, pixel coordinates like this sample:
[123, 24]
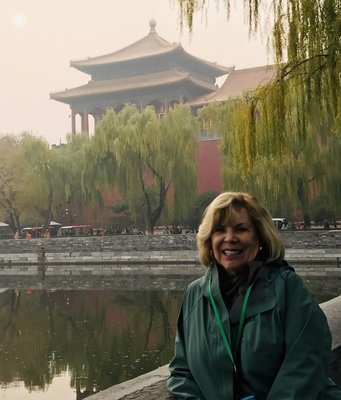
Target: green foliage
[15, 188]
[41, 162]
[73, 170]
[189, 7]
[55, 176]
[202, 203]
[282, 141]
[150, 160]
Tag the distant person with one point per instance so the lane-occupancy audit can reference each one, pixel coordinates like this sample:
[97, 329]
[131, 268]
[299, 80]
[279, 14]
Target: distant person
[326, 224]
[293, 226]
[285, 225]
[16, 235]
[28, 235]
[249, 328]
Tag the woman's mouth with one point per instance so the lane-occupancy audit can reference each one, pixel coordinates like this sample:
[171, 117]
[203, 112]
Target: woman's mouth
[231, 252]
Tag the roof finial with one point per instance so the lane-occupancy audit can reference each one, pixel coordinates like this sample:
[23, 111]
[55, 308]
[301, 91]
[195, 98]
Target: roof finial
[152, 24]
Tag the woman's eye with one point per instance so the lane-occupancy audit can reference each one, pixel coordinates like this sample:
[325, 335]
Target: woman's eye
[240, 229]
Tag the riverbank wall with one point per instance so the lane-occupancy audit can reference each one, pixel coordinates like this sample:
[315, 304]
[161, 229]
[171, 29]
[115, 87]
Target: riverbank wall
[164, 261]
[82, 247]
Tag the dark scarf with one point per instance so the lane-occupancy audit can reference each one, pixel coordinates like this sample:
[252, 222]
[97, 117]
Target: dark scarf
[232, 285]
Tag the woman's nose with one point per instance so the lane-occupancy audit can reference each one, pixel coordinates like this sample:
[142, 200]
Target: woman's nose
[229, 235]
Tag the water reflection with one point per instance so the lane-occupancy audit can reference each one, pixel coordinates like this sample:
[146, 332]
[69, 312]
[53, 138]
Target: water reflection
[58, 389]
[97, 338]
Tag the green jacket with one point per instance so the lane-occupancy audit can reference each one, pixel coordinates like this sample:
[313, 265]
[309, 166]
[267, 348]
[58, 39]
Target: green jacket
[284, 351]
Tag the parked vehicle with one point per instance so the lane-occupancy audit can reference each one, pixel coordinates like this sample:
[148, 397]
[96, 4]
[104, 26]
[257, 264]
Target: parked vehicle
[280, 223]
[39, 231]
[5, 231]
[79, 230]
[31, 232]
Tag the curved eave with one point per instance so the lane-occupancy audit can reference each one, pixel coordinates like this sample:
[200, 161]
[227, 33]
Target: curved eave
[149, 46]
[217, 69]
[124, 85]
[88, 66]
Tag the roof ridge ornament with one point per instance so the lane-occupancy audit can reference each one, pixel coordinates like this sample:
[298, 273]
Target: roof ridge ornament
[152, 24]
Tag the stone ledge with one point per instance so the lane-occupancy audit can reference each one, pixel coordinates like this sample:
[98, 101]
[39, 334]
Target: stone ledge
[145, 385]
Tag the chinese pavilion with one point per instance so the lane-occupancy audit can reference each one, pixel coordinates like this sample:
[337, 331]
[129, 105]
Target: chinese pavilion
[155, 72]
[150, 71]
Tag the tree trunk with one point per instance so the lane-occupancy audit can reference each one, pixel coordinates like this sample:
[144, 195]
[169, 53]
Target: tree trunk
[302, 197]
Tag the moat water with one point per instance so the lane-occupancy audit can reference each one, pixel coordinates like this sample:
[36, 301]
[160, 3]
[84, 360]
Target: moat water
[72, 343]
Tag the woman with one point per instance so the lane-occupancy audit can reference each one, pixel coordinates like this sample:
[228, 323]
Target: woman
[249, 327]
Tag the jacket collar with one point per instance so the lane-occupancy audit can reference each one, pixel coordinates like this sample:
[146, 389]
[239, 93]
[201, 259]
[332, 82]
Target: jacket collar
[262, 296]
[213, 273]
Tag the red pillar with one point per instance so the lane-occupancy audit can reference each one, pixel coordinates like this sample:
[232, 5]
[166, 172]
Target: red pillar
[165, 106]
[85, 122]
[82, 122]
[73, 123]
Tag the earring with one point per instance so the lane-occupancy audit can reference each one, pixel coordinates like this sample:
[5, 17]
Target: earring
[260, 248]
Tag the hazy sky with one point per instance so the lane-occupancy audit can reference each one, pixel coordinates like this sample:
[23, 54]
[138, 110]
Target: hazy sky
[38, 38]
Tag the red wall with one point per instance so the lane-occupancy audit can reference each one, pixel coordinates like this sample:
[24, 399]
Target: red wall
[208, 171]
[209, 167]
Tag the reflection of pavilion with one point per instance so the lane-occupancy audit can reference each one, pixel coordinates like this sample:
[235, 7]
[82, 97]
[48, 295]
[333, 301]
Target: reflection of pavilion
[149, 71]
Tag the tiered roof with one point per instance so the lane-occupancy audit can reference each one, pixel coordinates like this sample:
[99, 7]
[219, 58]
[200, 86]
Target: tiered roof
[239, 82]
[148, 46]
[157, 79]
[145, 64]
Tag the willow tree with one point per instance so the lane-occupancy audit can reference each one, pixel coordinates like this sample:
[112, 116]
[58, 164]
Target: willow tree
[41, 163]
[14, 188]
[286, 136]
[150, 160]
[71, 165]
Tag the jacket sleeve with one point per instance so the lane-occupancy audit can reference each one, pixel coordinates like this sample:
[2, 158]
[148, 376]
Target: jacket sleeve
[305, 367]
[181, 383]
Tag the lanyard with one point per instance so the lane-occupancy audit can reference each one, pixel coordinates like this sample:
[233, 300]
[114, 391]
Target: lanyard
[240, 326]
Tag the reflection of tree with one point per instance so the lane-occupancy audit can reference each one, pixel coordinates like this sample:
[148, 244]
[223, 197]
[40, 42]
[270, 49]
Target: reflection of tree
[8, 309]
[26, 339]
[50, 308]
[156, 304]
[100, 337]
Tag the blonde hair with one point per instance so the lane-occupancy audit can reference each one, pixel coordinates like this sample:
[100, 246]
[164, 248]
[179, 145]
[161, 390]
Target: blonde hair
[223, 209]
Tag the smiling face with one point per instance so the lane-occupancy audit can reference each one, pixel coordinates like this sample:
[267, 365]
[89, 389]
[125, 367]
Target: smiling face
[235, 242]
